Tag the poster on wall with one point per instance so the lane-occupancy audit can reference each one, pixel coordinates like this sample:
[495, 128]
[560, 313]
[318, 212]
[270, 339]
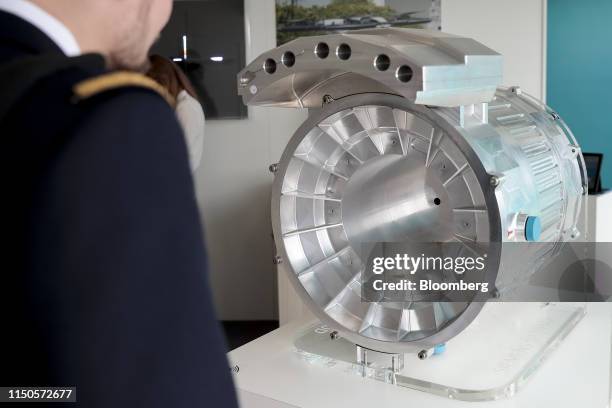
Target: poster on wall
[298, 18]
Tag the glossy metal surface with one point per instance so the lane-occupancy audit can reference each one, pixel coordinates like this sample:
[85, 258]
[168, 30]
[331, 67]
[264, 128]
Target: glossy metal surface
[374, 164]
[393, 199]
[426, 67]
[356, 173]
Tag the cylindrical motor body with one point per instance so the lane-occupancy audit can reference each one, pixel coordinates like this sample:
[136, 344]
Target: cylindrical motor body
[448, 157]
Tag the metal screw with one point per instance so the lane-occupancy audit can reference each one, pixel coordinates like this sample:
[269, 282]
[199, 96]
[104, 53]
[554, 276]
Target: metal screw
[494, 180]
[575, 233]
[277, 260]
[555, 115]
[327, 99]
[273, 168]
[422, 355]
[334, 335]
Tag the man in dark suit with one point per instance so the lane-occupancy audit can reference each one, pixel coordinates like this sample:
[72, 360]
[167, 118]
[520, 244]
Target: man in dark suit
[104, 283]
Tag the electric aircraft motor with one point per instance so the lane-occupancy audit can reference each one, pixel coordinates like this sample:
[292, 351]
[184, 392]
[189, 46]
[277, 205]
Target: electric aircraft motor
[409, 137]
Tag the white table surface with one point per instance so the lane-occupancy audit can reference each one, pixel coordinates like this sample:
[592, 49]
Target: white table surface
[271, 375]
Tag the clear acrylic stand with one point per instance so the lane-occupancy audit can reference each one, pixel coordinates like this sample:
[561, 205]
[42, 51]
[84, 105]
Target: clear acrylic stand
[492, 359]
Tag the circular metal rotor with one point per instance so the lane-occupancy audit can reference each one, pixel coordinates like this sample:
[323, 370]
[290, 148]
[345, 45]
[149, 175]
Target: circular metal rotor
[378, 168]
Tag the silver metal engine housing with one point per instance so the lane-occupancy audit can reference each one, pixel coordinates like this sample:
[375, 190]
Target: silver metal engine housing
[445, 156]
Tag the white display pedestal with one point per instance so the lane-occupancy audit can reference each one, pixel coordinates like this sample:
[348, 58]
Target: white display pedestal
[269, 373]
[600, 217]
[579, 372]
[600, 230]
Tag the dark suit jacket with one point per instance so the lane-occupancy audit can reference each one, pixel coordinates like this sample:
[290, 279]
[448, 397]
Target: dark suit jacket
[104, 281]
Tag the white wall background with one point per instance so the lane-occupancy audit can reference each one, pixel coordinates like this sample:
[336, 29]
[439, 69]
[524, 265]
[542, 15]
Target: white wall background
[233, 187]
[233, 182]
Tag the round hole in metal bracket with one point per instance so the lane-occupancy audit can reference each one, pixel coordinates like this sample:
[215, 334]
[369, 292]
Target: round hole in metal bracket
[437, 201]
[322, 50]
[288, 59]
[382, 62]
[343, 52]
[404, 73]
[269, 66]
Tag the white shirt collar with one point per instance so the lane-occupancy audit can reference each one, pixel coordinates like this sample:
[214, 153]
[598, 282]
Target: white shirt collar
[45, 22]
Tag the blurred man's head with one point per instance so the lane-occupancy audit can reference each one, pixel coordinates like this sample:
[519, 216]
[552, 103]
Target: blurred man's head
[122, 30]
